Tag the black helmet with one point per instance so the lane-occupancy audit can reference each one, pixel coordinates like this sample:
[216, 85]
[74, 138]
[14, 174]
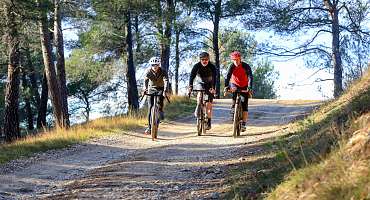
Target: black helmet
[204, 55]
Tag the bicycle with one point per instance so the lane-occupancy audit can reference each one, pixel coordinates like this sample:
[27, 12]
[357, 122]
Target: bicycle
[154, 113]
[201, 112]
[238, 112]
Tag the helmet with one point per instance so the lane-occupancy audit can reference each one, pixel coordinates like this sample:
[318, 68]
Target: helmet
[235, 55]
[155, 61]
[204, 55]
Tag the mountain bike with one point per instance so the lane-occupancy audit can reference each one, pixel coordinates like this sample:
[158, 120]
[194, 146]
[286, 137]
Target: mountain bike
[238, 112]
[154, 112]
[201, 112]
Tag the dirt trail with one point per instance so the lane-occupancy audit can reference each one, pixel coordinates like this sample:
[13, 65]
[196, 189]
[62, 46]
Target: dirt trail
[179, 165]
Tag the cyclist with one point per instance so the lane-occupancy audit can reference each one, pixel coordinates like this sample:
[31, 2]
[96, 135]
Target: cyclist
[239, 76]
[203, 75]
[155, 79]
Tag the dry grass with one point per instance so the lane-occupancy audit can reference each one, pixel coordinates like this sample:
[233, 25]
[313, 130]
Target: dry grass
[312, 160]
[341, 127]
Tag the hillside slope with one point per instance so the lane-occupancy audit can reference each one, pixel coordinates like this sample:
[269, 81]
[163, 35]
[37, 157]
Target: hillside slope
[341, 127]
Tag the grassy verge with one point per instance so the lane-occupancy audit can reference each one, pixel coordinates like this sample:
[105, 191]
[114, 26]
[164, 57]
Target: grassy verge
[309, 161]
[56, 139]
[180, 106]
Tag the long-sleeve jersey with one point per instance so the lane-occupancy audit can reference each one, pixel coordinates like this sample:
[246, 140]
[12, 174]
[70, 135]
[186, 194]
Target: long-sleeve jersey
[239, 75]
[205, 74]
[156, 79]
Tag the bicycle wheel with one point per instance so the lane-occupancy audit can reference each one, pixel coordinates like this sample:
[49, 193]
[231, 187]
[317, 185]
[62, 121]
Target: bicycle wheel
[240, 112]
[236, 121]
[205, 121]
[154, 121]
[199, 126]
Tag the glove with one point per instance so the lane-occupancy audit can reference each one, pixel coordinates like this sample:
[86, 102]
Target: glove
[249, 88]
[226, 89]
[144, 91]
[190, 89]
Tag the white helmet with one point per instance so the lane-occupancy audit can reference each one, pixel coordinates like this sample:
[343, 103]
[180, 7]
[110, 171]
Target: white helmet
[155, 61]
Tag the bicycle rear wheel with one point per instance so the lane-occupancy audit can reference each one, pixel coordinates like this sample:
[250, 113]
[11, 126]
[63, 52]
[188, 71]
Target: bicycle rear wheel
[154, 122]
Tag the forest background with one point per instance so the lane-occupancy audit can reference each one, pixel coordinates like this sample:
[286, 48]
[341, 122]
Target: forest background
[313, 46]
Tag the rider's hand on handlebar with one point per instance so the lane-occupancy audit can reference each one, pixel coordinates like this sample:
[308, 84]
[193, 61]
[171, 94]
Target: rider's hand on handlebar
[212, 91]
[144, 92]
[190, 89]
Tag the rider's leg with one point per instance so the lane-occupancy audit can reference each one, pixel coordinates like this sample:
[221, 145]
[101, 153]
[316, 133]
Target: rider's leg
[198, 103]
[245, 111]
[161, 106]
[209, 109]
[209, 114]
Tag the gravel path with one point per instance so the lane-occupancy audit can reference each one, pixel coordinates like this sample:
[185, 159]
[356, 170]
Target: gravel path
[179, 165]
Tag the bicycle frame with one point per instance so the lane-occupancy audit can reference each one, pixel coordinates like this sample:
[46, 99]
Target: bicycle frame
[154, 115]
[202, 114]
[238, 113]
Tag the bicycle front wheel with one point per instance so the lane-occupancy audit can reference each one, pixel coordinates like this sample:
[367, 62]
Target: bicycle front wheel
[200, 126]
[154, 122]
[236, 121]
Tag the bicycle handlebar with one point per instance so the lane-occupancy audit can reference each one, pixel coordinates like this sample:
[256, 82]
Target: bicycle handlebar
[158, 94]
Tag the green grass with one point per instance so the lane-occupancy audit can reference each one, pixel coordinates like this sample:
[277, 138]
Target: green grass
[180, 106]
[57, 139]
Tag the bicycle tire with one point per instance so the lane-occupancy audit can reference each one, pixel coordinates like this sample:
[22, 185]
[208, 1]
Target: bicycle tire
[154, 122]
[236, 120]
[240, 119]
[199, 126]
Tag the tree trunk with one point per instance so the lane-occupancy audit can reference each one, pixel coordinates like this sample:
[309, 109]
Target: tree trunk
[177, 60]
[27, 99]
[166, 41]
[137, 34]
[87, 107]
[32, 75]
[337, 60]
[132, 92]
[53, 85]
[60, 64]
[43, 105]
[216, 24]
[11, 118]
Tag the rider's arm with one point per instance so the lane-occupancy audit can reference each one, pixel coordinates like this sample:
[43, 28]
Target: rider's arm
[146, 80]
[228, 75]
[165, 80]
[214, 72]
[193, 73]
[250, 76]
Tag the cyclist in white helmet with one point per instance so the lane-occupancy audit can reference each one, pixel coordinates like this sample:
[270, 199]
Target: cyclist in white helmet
[155, 79]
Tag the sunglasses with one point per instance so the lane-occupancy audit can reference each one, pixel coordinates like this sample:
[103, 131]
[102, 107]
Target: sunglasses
[155, 65]
[204, 59]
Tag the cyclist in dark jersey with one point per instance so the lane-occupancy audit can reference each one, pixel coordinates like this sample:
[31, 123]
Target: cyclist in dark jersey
[203, 76]
[239, 76]
[155, 79]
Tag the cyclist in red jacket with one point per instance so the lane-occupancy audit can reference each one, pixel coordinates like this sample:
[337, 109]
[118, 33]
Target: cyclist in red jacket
[239, 76]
